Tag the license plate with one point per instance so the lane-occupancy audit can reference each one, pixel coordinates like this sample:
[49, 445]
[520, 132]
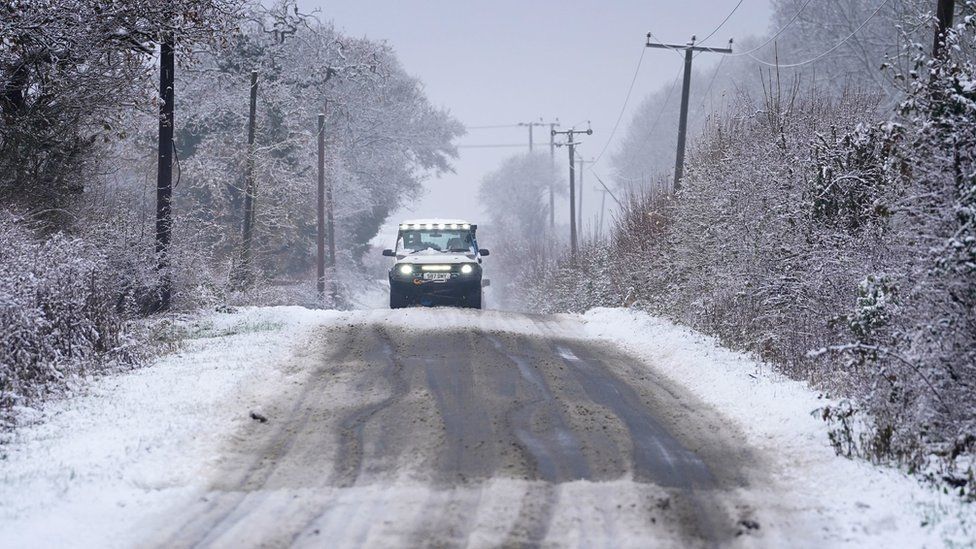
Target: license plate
[437, 276]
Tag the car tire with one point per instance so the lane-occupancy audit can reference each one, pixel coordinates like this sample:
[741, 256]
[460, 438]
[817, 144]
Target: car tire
[474, 300]
[397, 301]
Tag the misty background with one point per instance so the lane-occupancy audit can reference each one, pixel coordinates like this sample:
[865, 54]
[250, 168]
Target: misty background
[510, 61]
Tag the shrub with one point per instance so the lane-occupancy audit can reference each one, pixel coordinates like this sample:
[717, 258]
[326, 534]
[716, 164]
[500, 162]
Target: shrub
[62, 315]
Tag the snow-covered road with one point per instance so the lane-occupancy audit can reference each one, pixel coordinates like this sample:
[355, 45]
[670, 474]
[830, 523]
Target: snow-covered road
[446, 427]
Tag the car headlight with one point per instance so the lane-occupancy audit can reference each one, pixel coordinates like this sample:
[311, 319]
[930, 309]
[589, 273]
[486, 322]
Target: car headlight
[406, 269]
[466, 269]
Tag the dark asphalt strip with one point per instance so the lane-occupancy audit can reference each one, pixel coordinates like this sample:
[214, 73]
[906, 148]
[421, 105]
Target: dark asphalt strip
[539, 424]
[470, 453]
[349, 460]
[657, 456]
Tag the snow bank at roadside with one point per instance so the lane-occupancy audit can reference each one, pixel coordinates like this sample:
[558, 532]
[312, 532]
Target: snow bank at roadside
[135, 442]
[825, 496]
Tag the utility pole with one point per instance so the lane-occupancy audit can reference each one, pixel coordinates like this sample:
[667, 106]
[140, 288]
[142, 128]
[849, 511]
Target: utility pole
[552, 160]
[579, 212]
[325, 225]
[572, 185]
[164, 170]
[606, 190]
[320, 225]
[603, 205]
[330, 227]
[689, 49]
[944, 11]
[530, 125]
[249, 189]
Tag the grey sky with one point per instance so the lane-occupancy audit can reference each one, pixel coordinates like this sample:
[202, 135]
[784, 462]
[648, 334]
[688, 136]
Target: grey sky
[507, 61]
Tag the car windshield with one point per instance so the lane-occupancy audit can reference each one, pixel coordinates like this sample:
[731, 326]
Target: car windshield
[441, 240]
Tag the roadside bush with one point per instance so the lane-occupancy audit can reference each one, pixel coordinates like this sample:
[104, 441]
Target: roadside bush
[62, 315]
[834, 240]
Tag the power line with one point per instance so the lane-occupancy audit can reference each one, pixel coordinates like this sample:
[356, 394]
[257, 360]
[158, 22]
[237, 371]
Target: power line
[623, 109]
[666, 99]
[711, 82]
[676, 50]
[722, 24]
[779, 32]
[604, 185]
[494, 146]
[660, 113]
[826, 53]
[492, 127]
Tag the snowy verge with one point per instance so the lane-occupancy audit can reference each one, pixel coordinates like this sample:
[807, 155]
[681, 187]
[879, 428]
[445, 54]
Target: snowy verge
[136, 442]
[850, 502]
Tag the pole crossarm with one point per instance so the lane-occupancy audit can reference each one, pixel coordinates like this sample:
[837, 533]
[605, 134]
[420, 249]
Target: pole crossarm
[531, 125]
[689, 50]
[570, 133]
[689, 46]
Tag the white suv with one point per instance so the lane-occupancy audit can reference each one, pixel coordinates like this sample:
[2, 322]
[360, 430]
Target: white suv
[438, 262]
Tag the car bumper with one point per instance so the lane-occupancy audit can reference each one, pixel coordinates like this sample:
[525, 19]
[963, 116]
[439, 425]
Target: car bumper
[434, 293]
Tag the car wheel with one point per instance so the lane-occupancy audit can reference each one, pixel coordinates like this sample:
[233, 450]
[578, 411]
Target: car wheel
[474, 300]
[397, 301]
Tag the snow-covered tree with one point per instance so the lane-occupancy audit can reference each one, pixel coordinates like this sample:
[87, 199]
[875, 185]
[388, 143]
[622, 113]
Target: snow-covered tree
[70, 71]
[516, 198]
[383, 137]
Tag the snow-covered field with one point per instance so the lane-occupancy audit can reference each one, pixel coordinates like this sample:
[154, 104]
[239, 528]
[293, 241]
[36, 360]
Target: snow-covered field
[97, 467]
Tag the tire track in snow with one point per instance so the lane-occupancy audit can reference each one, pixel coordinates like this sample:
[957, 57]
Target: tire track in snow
[226, 507]
[349, 461]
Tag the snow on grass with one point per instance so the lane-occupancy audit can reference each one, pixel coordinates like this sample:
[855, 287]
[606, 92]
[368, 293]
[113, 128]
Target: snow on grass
[822, 496]
[136, 442]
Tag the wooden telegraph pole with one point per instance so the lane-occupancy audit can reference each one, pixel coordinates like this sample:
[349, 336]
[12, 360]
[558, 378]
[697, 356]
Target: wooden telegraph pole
[247, 230]
[164, 173]
[572, 185]
[320, 234]
[552, 160]
[579, 211]
[944, 11]
[689, 49]
[325, 225]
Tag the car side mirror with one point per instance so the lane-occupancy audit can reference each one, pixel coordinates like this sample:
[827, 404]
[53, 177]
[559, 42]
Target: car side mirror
[389, 253]
[483, 252]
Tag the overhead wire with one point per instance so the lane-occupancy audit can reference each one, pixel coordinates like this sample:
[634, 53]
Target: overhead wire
[779, 32]
[711, 82]
[826, 53]
[633, 80]
[623, 109]
[722, 24]
[667, 98]
[492, 145]
[678, 51]
[491, 127]
[604, 185]
[657, 118]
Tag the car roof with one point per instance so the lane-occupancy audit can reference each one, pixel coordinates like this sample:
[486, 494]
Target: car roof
[435, 221]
